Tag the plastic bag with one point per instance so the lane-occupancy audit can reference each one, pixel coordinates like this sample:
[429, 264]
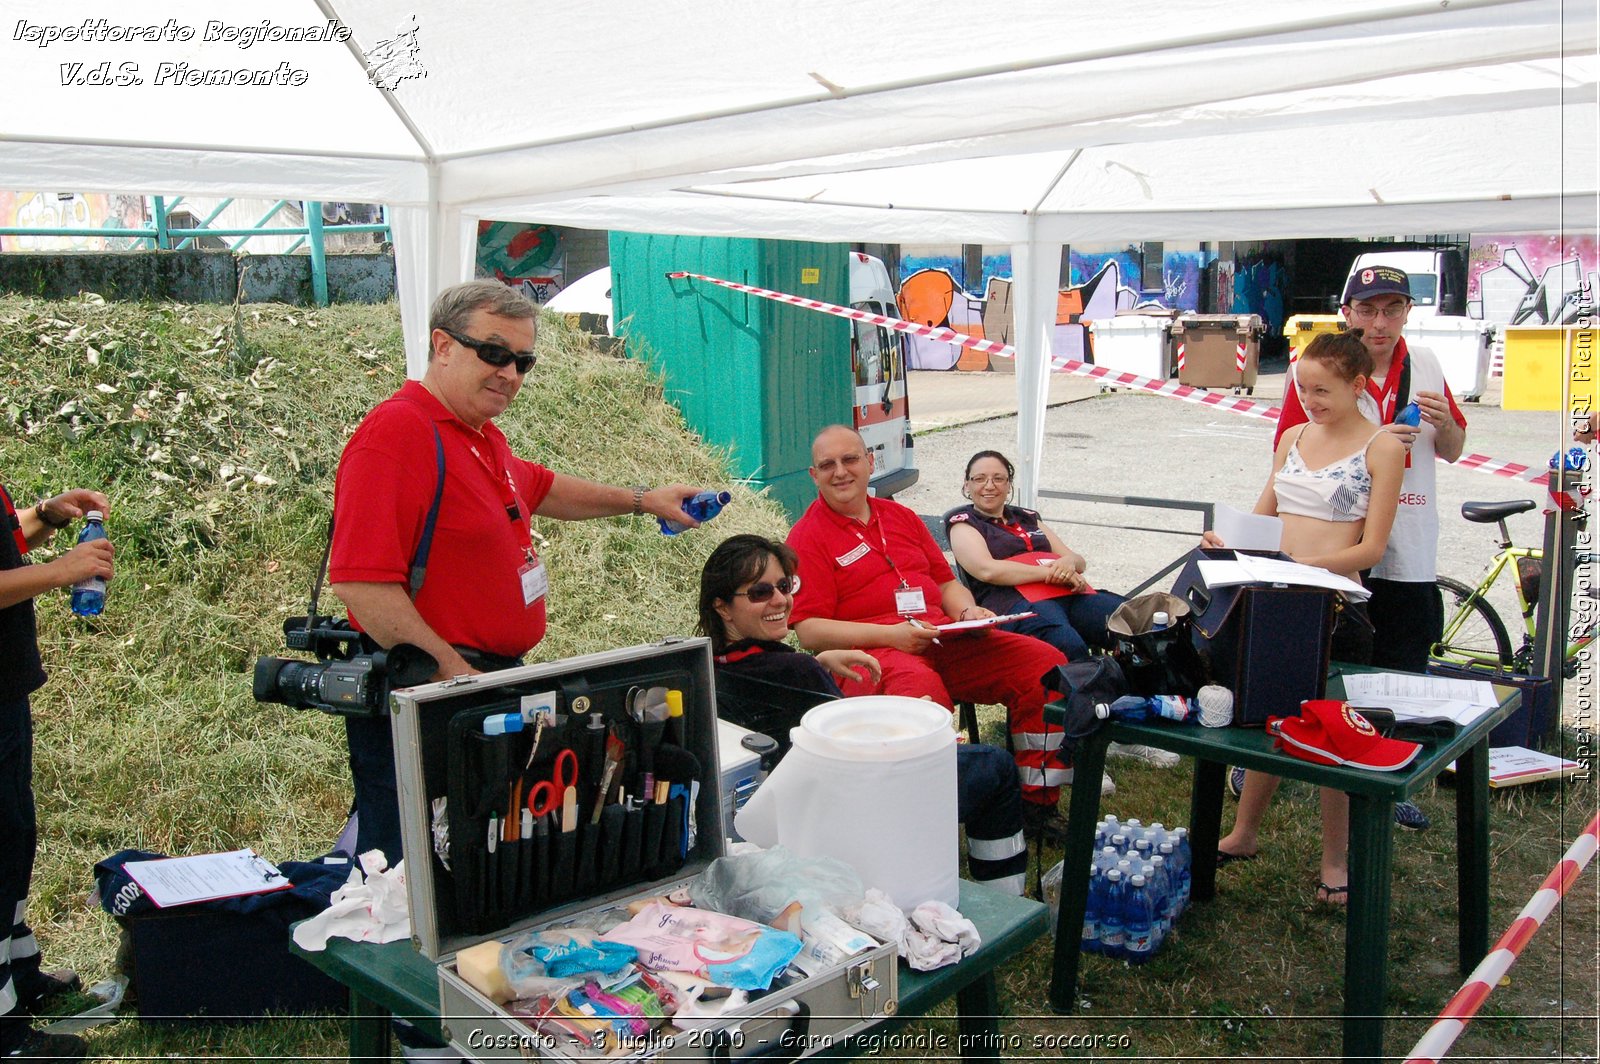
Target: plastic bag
[758, 886]
[1050, 887]
[722, 949]
[1159, 662]
[552, 962]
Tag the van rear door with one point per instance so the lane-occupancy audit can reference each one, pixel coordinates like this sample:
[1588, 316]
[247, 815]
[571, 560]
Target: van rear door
[878, 359]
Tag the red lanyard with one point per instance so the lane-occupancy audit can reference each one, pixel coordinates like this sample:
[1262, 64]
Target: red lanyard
[883, 543]
[508, 496]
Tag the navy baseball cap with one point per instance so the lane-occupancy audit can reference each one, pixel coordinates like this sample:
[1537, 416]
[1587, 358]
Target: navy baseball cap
[1372, 281]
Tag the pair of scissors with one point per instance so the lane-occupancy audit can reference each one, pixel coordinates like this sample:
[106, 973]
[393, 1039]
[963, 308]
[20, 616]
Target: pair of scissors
[546, 795]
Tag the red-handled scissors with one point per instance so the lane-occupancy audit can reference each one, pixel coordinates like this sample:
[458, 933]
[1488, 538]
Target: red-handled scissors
[545, 796]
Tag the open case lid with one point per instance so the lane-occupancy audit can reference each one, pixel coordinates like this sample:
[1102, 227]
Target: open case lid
[594, 683]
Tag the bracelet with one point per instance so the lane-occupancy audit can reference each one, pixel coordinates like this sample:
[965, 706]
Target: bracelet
[44, 517]
[638, 499]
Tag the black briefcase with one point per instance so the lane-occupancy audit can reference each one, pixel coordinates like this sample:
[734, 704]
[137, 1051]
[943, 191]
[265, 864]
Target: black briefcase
[1268, 644]
[1530, 724]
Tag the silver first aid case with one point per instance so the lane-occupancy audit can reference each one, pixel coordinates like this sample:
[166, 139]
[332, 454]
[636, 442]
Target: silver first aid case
[442, 752]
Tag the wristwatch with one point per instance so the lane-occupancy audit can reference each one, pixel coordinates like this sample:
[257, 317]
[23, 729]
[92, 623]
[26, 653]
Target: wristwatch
[638, 499]
[44, 515]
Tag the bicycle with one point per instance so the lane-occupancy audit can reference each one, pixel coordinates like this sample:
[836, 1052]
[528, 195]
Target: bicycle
[1474, 634]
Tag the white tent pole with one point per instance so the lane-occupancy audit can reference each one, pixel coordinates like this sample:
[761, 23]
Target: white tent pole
[1036, 277]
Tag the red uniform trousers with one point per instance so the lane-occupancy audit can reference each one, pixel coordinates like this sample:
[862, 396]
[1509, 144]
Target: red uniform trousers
[988, 667]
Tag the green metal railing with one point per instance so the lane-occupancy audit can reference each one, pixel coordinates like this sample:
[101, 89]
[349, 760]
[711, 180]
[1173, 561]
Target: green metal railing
[161, 235]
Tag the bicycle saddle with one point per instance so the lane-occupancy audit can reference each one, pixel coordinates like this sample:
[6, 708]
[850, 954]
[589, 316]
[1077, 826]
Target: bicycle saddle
[1484, 512]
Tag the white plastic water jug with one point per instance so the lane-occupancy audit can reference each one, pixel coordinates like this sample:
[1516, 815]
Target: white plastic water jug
[871, 781]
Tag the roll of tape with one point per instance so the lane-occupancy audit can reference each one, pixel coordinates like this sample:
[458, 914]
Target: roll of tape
[1216, 706]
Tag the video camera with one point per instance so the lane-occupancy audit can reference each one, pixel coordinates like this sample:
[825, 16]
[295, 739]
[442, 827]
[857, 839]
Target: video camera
[343, 680]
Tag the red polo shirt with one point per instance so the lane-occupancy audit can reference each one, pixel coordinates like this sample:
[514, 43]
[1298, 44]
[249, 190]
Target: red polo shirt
[849, 571]
[472, 595]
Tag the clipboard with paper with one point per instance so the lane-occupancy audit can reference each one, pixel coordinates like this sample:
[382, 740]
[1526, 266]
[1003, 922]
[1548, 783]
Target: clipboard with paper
[170, 881]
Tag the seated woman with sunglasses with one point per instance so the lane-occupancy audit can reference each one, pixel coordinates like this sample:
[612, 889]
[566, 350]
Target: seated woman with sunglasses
[746, 594]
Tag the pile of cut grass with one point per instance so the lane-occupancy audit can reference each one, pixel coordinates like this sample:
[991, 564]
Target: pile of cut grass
[216, 437]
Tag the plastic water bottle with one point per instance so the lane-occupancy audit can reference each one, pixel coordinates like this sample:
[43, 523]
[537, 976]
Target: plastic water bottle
[1119, 842]
[1157, 834]
[702, 507]
[1159, 621]
[1161, 897]
[1090, 940]
[1410, 414]
[89, 595]
[1138, 922]
[1140, 850]
[1109, 914]
[1185, 856]
[1136, 708]
[1175, 872]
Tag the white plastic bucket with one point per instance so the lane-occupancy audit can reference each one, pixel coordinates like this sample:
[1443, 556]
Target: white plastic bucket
[872, 782]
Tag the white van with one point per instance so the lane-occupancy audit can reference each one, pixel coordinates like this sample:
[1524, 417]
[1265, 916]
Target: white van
[878, 357]
[1437, 276]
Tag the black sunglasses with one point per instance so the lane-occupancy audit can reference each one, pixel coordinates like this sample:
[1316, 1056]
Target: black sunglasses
[497, 355]
[761, 592]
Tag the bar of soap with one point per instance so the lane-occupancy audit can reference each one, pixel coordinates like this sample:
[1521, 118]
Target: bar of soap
[480, 966]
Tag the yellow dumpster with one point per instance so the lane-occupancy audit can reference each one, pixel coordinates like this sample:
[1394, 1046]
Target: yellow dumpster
[1301, 329]
[1537, 359]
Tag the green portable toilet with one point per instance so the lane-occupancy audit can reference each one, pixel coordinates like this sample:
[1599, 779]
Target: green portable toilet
[751, 375]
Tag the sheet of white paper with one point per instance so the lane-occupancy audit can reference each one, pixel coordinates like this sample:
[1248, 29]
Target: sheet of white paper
[1242, 531]
[1219, 572]
[1411, 685]
[1277, 571]
[205, 877]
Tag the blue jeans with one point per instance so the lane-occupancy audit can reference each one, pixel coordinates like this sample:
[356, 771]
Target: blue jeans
[1071, 623]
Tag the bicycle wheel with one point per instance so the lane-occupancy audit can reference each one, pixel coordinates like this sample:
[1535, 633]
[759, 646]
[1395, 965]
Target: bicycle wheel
[1473, 631]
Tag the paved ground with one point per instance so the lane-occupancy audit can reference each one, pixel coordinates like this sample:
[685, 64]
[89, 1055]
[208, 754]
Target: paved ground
[1132, 443]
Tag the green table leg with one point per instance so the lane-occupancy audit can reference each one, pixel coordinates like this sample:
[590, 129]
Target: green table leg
[1472, 855]
[1366, 938]
[978, 1019]
[1088, 762]
[1205, 828]
[369, 1029]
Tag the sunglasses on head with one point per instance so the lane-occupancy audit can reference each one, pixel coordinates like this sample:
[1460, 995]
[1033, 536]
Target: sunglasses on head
[762, 591]
[496, 355]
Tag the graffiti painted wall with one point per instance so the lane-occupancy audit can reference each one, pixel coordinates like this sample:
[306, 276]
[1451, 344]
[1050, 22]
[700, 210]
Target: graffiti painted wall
[524, 255]
[67, 210]
[1530, 278]
[1181, 271]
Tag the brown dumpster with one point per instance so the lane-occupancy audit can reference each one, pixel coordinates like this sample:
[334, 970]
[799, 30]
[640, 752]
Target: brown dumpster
[1217, 350]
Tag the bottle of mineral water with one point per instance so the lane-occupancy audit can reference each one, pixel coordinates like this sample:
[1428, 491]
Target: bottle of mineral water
[89, 594]
[1138, 922]
[702, 507]
[1108, 914]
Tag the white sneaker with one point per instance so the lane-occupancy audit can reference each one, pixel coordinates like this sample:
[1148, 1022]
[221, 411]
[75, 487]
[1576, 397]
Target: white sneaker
[1148, 754]
[1107, 787]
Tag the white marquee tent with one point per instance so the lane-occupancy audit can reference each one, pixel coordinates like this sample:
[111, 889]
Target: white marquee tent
[1030, 123]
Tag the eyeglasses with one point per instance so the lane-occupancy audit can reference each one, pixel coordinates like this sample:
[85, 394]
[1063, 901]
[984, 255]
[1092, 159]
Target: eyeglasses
[1367, 312]
[999, 480]
[496, 355]
[762, 591]
[849, 461]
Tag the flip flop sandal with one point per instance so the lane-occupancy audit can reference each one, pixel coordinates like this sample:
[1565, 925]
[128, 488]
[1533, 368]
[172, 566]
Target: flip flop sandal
[1326, 895]
[1224, 858]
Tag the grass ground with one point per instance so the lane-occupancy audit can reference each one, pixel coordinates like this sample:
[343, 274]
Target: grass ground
[216, 432]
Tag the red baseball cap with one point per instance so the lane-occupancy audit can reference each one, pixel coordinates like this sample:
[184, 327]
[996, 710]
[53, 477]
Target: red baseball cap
[1328, 732]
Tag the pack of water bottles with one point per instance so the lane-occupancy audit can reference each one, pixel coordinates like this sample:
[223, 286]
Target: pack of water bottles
[1139, 885]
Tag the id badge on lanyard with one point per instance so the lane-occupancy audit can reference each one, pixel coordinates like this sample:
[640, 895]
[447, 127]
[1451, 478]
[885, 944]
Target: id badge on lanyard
[909, 601]
[535, 583]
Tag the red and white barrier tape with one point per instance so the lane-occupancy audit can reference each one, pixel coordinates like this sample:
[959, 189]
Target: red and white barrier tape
[1481, 463]
[1438, 1039]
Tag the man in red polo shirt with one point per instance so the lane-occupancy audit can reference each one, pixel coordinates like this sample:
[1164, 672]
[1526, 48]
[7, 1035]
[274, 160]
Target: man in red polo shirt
[872, 577]
[481, 604]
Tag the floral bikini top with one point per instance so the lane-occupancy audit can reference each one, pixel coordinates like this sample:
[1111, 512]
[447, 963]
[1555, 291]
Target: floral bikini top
[1339, 491]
